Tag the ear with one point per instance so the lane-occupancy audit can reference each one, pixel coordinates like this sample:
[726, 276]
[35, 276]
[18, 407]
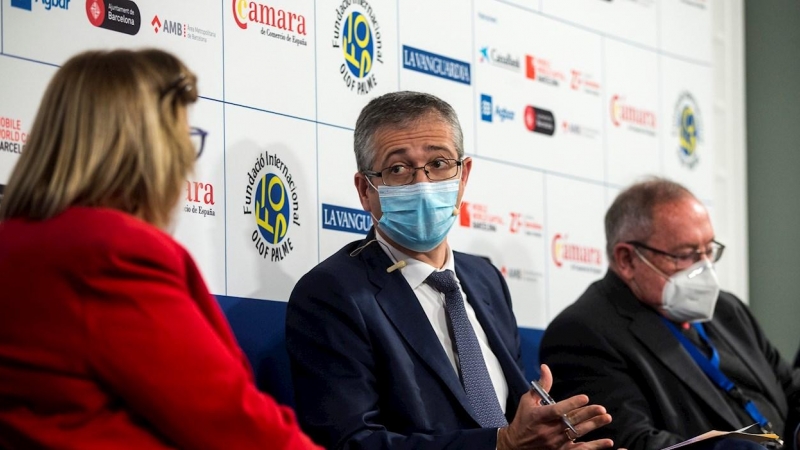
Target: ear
[363, 187]
[465, 169]
[624, 257]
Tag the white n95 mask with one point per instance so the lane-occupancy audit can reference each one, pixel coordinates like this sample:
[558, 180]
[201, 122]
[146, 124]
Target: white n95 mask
[691, 294]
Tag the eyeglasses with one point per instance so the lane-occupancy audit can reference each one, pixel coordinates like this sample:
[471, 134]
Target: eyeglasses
[198, 137]
[713, 252]
[181, 84]
[439, 169]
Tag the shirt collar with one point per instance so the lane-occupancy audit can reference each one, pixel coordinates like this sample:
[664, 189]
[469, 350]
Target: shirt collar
[415, 272]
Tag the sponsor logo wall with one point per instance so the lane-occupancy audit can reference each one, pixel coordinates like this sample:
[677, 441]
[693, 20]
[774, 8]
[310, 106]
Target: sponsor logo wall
[562, 103]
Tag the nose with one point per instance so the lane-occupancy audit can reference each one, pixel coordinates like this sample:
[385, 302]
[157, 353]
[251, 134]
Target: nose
[419, 175]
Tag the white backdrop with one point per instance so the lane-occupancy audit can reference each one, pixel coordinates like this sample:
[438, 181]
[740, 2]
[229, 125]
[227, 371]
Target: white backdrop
[562, 103]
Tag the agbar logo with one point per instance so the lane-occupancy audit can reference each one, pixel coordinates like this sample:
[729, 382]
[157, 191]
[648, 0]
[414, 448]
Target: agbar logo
[244, 12]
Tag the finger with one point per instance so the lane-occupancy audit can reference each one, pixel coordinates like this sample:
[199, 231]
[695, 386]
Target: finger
[581, 414]
[571, 404]
[592, 424]
[592, 445]
[546, 379]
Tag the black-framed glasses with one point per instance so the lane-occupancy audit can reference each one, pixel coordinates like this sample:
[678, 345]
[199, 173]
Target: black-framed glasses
[198, 137]
[713, 252]
[440, 169]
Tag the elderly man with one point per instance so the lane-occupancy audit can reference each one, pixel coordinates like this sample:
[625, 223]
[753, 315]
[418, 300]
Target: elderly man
[397, 341]
[657, 342]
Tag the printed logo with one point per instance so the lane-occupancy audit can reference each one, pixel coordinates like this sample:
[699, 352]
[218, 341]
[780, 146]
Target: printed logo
[199, 199]
[350, 220]
[477, 216]
[357, 33]
[539, 69]
[634, 118]
[488, 112]
[182, 30]
[540, 120]
[22, 4]
[584, 82]
[12, 138]
[517, 273]
[575, 129]
[524, 224]
[687, 125]
[436, 65]
[499, 59]
[271, 196]
[122, 16]
[486, 108]
[48, 4]
[276, 23]
[579, 257]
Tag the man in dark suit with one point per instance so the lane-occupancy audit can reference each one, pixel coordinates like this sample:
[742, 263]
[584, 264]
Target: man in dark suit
[650, 340]
[396, 341]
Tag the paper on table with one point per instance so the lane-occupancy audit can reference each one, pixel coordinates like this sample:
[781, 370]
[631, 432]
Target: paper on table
[738, 434]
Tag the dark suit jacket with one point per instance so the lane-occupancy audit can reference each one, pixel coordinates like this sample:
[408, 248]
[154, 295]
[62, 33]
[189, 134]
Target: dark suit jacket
[620, 353]
[368, 370]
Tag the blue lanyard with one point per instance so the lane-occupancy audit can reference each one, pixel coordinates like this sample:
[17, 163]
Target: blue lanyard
[710, 367]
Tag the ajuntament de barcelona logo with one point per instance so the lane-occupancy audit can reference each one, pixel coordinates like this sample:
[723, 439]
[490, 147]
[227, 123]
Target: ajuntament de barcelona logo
[357, 34]
[271, 196]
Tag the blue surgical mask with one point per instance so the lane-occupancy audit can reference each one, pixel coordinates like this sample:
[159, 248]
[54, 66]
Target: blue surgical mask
[418, 216]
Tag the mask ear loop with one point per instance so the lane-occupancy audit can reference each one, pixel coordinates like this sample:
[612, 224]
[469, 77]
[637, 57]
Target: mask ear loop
[649, 264]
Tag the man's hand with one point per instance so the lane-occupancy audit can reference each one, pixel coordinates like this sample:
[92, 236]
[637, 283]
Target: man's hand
[540, 427]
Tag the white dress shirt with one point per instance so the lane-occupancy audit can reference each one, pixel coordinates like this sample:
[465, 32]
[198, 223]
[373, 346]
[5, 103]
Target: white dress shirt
[432, 301]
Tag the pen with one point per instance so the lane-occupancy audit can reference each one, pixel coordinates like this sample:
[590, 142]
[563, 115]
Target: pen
[547, 400]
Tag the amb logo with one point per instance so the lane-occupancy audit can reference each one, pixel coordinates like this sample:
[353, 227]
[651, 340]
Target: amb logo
[271, 196]
[357, 33]
[687, 125]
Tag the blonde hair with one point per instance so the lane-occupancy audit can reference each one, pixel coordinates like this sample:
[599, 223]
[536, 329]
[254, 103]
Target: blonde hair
[111, 131]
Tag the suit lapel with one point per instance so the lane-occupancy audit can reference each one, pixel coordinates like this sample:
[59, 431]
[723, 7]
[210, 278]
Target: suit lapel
[400, 304]
[478, 297]
[648, 328]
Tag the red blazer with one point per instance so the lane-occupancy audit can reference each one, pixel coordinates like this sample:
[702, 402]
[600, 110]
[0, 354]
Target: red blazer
[109, 338]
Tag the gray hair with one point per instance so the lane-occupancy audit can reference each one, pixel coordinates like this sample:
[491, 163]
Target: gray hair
[630, 217]
[399, 110]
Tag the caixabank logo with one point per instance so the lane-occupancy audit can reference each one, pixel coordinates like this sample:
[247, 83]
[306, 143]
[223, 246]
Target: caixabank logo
[122, 16]
[48, 5]
[199, 199]
[349, 220]
[499, 58]
[171, 28]
[271, 199]
[357, 35]
[583, 258]
[538, 120]
[271, 21]
[12, 138]
[688, 128]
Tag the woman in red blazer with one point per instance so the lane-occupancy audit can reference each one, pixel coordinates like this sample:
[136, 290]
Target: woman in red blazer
[109, 337]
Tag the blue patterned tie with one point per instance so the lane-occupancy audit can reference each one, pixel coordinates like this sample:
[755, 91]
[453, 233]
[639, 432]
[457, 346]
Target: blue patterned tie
[474, 375]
